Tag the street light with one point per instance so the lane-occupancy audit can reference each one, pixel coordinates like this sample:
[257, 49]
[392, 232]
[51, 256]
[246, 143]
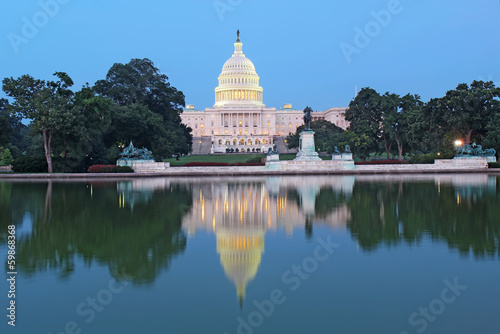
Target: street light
[458, 143]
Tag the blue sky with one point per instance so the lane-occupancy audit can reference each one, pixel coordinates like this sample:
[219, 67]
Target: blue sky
[305, 52]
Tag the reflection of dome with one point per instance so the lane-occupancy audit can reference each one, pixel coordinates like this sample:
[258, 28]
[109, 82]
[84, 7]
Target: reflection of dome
[240, 255]
[238, 82]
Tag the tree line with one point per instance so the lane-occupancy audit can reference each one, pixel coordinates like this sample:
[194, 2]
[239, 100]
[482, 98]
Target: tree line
[391, 124]
[74, 130]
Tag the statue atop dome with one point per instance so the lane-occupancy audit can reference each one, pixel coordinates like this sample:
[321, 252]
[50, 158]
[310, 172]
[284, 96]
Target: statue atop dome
[238, 34]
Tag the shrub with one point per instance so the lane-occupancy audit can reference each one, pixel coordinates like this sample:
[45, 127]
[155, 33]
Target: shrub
[254, 160]
[429, 158]
[109, 169]
[124, 169]
[30, 165]
[494, 165]
[218, 164]
[382, 162]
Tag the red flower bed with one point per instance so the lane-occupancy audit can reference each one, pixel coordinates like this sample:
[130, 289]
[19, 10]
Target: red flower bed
[109, 169]
[217, 164]
[382, 162]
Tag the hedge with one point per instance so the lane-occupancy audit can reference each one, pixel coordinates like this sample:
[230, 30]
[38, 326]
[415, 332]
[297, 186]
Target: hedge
[494, 165]
[429, 158]
[30, 165]
[218, 164]
[382, 162]
[109, 169]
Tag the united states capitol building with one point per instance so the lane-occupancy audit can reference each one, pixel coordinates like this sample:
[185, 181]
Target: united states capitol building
[239, 121]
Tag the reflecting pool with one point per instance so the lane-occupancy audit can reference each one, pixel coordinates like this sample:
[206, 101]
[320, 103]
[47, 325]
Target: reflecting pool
[316, 254]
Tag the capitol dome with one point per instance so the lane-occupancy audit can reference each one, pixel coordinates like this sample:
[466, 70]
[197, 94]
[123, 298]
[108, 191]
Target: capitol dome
[238, 82]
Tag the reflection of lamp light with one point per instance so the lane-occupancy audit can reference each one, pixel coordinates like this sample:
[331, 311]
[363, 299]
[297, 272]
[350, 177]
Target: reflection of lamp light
[458, 143]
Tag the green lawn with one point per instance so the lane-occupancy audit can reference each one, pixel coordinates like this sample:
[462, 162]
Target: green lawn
[227, 158]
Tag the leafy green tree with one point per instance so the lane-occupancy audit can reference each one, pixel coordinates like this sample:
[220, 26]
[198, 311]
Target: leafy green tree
[6, 130]
[492, 139]
[399, 118]
[43, 102]
[80, 136]
[389, 104]
[147, 109]
[467, 110]
[362, 145]
[326, 136]
[6, 158]
[365, 116]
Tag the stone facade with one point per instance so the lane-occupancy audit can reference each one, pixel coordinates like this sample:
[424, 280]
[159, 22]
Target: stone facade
[239, 119]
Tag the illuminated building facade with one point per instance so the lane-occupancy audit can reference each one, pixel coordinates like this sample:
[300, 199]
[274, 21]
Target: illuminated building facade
[239, 120]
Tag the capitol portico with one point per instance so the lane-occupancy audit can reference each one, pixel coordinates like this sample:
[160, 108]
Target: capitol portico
[239, 121]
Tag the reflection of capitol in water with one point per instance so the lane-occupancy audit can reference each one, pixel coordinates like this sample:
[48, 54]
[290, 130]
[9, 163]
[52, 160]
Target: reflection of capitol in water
[241, 210]
[240, 214]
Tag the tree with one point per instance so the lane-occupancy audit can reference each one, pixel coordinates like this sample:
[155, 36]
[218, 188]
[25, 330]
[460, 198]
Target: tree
[6, 130]
[43, 102]
[492, 139]
[399, 118]
[362, 145]
[365, 116]
[80, 136]
[147, 109]
[469, 110]
[390, 116]
[6, 158]
[326, 136]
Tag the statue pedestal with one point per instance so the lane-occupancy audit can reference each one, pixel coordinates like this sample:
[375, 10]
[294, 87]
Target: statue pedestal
[273, 157]
[346, 156]
[336, 157]
[307, 149]
[130, 162]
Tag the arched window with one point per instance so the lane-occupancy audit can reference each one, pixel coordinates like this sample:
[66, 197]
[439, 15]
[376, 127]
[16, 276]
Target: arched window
[257, 142]
[220, 141]
[264, 142]
[242, 141]
[235, 141]
[249, 142]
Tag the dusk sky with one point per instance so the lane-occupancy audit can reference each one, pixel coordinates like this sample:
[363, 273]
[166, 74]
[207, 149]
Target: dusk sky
[305, 52]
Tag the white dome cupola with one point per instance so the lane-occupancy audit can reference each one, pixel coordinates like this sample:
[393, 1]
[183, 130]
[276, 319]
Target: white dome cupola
[238, 81]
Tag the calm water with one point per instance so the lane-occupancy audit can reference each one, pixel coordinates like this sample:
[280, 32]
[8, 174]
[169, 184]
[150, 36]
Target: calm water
[247, 255]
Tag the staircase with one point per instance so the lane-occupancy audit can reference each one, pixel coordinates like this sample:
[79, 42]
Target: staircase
[281, 145]
[201, 145]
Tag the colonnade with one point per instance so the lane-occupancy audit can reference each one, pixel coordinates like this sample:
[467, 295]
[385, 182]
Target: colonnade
[241, 119]
[238, 95]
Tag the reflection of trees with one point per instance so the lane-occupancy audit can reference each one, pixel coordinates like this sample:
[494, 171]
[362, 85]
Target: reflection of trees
[395, 212]
[88, 220]
[15, 200]
[328, 199]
